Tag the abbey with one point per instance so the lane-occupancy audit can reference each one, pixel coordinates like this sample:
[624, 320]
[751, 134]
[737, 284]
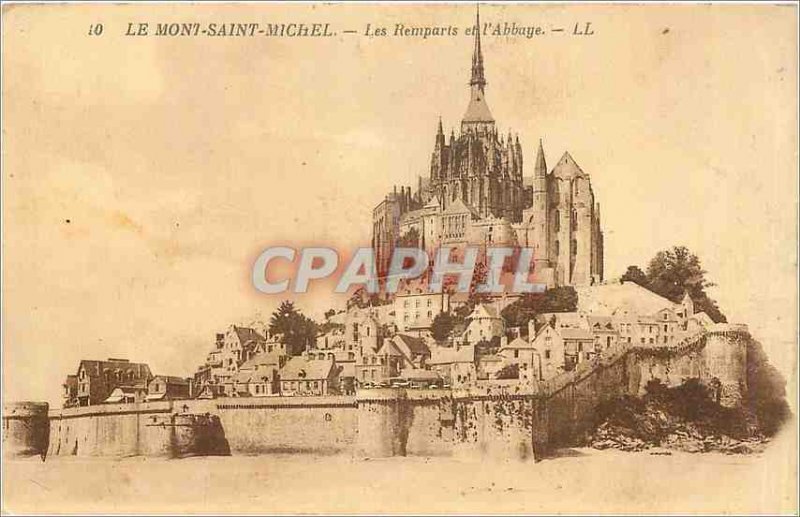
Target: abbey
[478, 193]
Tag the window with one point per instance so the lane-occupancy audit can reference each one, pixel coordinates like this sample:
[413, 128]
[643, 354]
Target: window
[547, 354]
[651, 341]
[665, 328]
[580, 347]
[516, 354]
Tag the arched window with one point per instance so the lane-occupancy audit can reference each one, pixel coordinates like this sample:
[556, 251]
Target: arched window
[557, 248]
[557, 221]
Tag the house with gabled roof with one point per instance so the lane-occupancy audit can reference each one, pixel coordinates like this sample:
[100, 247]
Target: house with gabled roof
[302, 377]
[97, 379]
[549, 346]
[455, 364]
[168, 387]
[522, 353]
[231, 349]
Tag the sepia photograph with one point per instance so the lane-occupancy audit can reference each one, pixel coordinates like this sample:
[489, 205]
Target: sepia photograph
[400, 258]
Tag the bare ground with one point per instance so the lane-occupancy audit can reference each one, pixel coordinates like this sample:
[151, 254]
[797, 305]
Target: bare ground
[576, 481]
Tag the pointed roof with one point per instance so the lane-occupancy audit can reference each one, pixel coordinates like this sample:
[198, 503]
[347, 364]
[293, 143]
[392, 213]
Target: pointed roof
[484, 311]
[477, 56]
[298, 368]
[458, 206]
[518, 344]
[567, 167]
[477, 110]
[433, 202]
[541, 164]
[246, 334]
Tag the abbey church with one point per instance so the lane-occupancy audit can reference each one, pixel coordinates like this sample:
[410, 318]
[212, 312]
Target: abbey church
[478, 193]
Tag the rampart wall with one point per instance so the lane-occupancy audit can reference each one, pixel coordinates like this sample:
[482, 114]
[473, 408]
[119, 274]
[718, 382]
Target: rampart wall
[491, 422]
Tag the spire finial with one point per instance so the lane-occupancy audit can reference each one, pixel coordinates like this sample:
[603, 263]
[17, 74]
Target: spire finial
[477, 56]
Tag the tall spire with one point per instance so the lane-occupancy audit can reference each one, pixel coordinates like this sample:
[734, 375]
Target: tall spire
[477, 56]
[541, 165]
[478, 118]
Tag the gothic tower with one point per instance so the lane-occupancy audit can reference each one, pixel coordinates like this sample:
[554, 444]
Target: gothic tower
[479, 167]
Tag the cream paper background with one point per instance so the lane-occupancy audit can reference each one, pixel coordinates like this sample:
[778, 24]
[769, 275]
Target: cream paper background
[177, 160]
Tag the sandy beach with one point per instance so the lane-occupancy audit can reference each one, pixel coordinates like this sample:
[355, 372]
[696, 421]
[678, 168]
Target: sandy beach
[576, 481]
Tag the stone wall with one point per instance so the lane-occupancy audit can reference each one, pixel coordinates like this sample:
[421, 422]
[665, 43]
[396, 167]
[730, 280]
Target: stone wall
[490, 422]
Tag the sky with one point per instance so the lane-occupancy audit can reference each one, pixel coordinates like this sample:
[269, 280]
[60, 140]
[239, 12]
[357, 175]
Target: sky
[142, 176]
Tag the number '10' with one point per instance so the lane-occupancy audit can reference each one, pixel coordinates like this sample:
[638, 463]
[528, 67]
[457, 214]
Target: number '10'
[95, 29]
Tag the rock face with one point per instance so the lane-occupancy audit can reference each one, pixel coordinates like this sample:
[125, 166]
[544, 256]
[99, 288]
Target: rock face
[686, 418]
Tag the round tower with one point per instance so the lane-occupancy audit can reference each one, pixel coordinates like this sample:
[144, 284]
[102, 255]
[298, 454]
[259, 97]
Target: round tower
[726, 363]
[26, 429]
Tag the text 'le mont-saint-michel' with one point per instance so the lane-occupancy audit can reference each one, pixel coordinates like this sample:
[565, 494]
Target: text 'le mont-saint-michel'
[324, 30]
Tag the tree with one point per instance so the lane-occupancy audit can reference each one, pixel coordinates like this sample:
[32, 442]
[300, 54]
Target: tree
[558, 299]
[298, 330]
[676, 271]
[442, 325]
[636, 275]
[509, 371]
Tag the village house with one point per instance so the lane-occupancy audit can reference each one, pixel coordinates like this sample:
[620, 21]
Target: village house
[415, 307]
[525, 356]
[168, 387]
[97, 379]
[300, 377]
[132, 394]
[232, 349]
[70, 393]
[455, 364]
[362, 331]
[258, 376]
[604, 331]
[578, 346]
[401, 352]
[488, 366]
[550, 349]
